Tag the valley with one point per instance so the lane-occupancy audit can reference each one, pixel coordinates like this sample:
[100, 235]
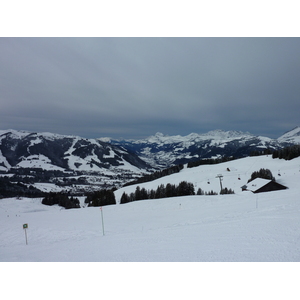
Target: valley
[35, 163]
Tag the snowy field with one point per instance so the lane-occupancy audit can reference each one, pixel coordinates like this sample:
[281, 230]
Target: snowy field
[195, 228]
[243, 227]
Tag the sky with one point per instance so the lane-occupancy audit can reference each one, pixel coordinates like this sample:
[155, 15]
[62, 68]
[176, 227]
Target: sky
[134, 87]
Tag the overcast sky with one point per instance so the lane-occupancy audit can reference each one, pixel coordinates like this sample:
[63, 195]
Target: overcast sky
[135, 87]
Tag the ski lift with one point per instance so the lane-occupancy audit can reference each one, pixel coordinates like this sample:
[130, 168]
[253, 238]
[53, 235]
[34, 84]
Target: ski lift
[239, 178]
[279, 173]
[208, 181]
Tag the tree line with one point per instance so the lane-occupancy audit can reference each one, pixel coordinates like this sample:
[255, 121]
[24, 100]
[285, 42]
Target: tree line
[267, 151]
[209, 161]
[100, 198]
[17, 189]
[61, 199]
[287, 153]
[184, 188]
[64, 199]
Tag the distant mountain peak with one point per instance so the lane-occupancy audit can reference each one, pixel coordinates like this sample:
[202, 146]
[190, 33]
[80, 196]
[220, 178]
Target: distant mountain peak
[159, 134]
[213, 134]
[227, 134]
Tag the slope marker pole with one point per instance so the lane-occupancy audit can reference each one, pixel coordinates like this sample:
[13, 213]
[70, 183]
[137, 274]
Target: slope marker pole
[102, 220]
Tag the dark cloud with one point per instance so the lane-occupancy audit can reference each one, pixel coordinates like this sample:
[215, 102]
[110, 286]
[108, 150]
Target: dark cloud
[134, 87]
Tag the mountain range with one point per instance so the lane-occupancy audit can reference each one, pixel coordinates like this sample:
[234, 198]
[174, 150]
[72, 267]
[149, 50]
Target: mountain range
[64, 162]
[21, 149]
[163, 151]
[79, 162]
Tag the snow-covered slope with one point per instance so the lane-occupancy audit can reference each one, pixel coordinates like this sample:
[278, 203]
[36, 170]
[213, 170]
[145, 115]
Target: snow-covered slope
[239, 227]
[292, 136]
[235, 173]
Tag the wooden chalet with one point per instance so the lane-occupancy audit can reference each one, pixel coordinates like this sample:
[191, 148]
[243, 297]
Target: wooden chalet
[260, 185]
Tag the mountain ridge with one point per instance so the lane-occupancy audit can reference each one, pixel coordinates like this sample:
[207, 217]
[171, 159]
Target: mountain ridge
[162, 150]
[81, 163]
[67, 161]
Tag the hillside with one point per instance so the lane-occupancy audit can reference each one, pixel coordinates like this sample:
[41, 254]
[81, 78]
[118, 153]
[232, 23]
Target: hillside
[239, 227]
[66, 162]
[235, 173]
[292, 136]
[21, 149]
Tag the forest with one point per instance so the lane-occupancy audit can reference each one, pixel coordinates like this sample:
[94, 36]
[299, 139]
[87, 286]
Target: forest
[184, 188]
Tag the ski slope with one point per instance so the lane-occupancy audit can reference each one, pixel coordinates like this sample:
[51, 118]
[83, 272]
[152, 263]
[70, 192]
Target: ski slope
[243, 227]
[235, 174]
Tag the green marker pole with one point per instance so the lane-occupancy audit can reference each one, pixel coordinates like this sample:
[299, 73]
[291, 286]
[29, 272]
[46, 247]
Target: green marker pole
[102, 219]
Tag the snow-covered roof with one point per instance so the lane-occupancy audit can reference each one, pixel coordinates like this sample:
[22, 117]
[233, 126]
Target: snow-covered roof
[256, 184]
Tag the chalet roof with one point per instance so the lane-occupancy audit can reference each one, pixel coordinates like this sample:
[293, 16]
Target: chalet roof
[262, 185]
[256, 184]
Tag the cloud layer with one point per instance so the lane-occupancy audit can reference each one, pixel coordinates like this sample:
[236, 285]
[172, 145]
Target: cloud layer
[134, 87]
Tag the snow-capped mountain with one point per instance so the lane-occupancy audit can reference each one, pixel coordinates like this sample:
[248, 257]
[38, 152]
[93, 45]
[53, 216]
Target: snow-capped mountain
[20, 149]
[162, 150]
[66, 161]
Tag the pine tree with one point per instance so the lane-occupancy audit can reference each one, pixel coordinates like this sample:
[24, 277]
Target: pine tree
[184, 189]
[138, 195]
[152, 194]
[144, 194]
[170, 190]
[125, 198]
[200, 192]
[160, 192]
